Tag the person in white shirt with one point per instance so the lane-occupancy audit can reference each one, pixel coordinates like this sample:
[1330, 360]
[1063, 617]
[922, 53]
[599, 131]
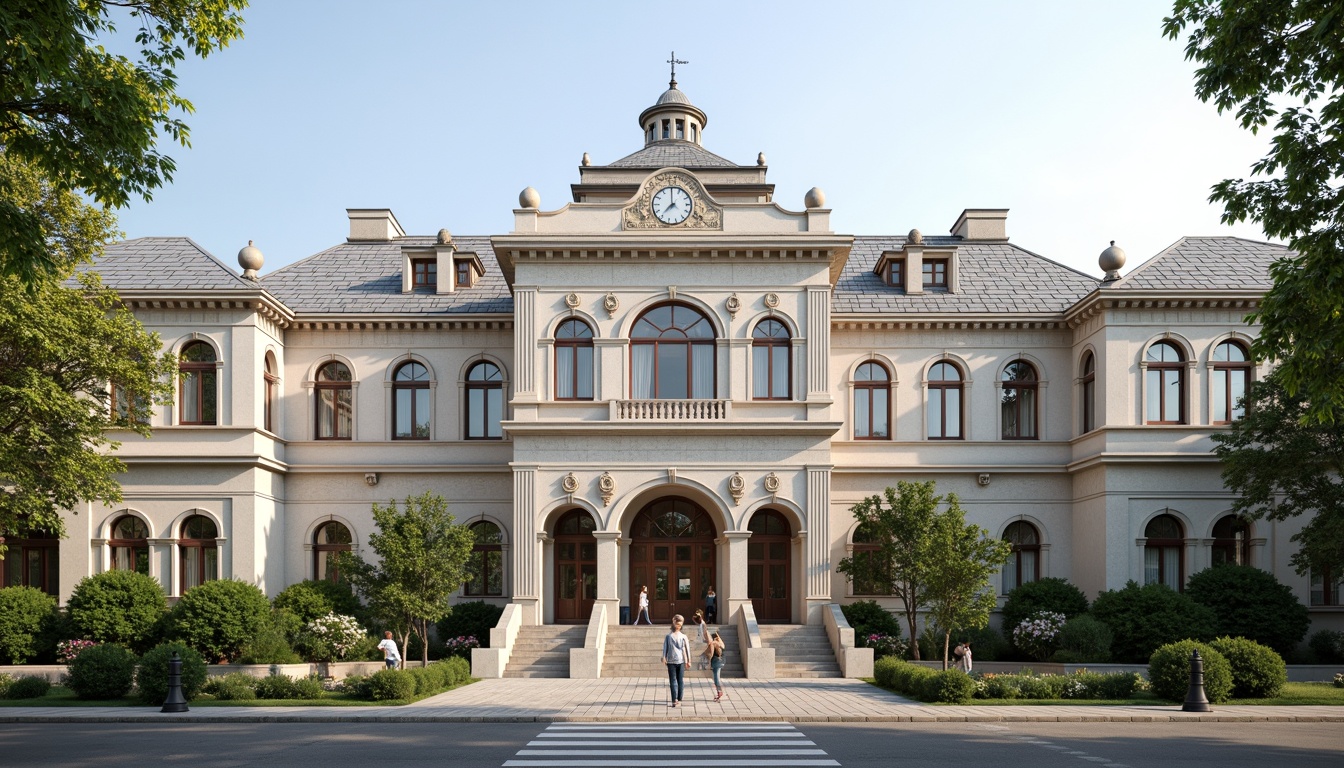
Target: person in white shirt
[676, 655]
[643, 605]
[389, 648]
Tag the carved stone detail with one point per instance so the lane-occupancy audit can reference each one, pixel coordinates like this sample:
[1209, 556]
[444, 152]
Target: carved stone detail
[572, 300]
[570, 483]
[733, 305]
[671, 474]
[737, 486]
[772, 300]
[611, 303]
[606, 485]
[704, 214]
[772, 483]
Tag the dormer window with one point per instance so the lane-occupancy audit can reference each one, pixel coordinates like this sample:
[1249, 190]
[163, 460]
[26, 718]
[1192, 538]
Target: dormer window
[935, 274]
[895, 273]
[424, 274]
[463, 273]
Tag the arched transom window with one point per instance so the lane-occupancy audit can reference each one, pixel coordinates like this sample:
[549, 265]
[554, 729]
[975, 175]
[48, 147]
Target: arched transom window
[1164, 552]
[198, 384]
[410, 402]
[130, 545]
[485, 402]
[672, 354]
[198, 551]
[573, 361]
[1089, 394]
[1231, 377]
[1019, 404]
[1024, 566]
[1165, 384]
[487, 561]
[770, 347]
[872, 393]
[1232, 541]
[335, 402]
[331, 539]
[944, 402]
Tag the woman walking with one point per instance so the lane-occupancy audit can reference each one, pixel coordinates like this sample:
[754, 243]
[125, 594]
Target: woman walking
[643, 605]
[676, 655]
[716, 664]
[701, 634]
[712, 606]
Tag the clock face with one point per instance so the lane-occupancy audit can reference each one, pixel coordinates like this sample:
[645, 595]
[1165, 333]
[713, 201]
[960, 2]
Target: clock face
[672, 205]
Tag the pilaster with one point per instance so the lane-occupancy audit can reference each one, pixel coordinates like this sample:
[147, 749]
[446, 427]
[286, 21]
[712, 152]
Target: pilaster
[734, 593]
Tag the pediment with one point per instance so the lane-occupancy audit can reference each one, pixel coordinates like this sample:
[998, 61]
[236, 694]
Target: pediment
[705, 213]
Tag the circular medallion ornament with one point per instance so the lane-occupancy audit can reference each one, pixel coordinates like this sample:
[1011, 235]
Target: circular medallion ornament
[611, 303]
[572, 300]
[772, 300]
[672, 205]
[570, 483]
[733, 305]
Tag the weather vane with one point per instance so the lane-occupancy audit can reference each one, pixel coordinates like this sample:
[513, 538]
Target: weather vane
[674, 61]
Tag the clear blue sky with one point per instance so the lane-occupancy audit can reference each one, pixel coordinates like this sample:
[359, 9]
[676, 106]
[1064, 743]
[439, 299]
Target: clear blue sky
[1078, 117]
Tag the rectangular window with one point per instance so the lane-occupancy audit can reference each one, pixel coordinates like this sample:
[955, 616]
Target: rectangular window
[464, 274]
[935, 274]
[424, 273]
[681, 129]
[667, 129]
[896, 273]
[1325, 590]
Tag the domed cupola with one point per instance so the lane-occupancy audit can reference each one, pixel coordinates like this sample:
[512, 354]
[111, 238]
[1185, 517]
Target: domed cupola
[673, 117]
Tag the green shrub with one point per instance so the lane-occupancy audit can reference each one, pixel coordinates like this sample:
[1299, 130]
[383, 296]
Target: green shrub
[1033, 687]
[1249, 602]
[24, 614]
[1143, 618]
[868, 617]
[27, 687]
[235, 686]
[151, 678]
[309, 687]
[391, 684]
[1120, 685]
[122, 607]
[5, 682]
[310, 599]
[884, 671]
[951, 686]
[277, 687]
[1169, 671]
[427, 679]
[271, 645]
[102, 672]
[219, 617]
[1052, 594]
[357, 686]
[1088, 640]
[1001, 687]
[455, 671]
[475, 618]
[1257, 671]
[1328, 645]
[987, 644]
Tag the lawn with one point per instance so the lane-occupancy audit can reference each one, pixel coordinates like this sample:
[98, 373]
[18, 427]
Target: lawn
[60, 696]
[1294, 694]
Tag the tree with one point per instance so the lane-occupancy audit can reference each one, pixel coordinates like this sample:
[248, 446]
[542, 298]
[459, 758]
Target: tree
[424, 558]
[63, 340]
[1253, 58]
[962, 558]
[1281, 465]
[87, 119]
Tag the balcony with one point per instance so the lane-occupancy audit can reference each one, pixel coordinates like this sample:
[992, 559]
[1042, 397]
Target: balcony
[671, 410]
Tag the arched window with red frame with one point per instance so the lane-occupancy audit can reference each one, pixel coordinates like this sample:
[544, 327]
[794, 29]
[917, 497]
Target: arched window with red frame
[1025, 565]
[487, 559]
[1165, 384]
[770, 357]
[410, 402]
[198, 379]
[573, 361]
[335, 393]
[1231, 377]
[1164, 552]
[329, 541]
[944, 406]
[1019, 403]
[270, 383]
[32, 560]
[672, 354]
[872, 402]
[198, 551]
[130, 545]
[1089, 395]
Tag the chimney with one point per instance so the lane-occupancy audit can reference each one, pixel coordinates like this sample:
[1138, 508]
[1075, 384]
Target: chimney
[986, 224]
[373, 225]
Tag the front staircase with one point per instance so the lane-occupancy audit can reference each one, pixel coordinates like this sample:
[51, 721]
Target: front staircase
[543, 651]
[637, 651]
[800, 650]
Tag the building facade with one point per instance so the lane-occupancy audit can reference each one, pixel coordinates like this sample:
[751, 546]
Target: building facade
[676, 382]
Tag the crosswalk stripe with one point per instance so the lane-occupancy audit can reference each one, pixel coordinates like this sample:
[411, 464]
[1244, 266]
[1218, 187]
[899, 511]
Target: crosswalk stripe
[704, 726]
[662, 734]
[666, 763]
[640, 745]
[803, 742]
[637, 752]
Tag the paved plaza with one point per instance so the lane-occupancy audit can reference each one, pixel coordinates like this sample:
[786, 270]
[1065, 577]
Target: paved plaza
[646, 700]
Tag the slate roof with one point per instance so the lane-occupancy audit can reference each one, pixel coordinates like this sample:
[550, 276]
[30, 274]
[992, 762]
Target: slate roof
[164, 263]
[1206, 263]
[675, 154]
[365, 278]
[991, 278]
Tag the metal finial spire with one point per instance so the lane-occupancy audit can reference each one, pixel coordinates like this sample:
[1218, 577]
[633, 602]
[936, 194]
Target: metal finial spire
[674, 61]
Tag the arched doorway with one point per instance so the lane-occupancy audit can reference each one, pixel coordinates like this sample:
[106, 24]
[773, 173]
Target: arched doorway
[769, 567]
[672, 552]
[575, 567]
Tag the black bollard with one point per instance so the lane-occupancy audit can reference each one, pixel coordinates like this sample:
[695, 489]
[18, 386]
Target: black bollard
[175, 702]
[1195, 700]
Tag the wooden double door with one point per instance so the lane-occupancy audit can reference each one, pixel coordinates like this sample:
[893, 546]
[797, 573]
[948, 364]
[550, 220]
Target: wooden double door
[672, 553]
[770, 567]
[575, 568]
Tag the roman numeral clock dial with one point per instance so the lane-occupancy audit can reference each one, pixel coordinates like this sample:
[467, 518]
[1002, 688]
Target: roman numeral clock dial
[672, 205]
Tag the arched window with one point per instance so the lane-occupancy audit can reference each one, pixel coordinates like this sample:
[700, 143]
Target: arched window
[130, 545]
[672, 355]
[1326, 587]
[410, 402]
[270, 389]
[770, 347]
[335, 402]
[1231, 377]
[33, 561]
[872, 570]
[485, 402]
[1089, 401]
[573, 361]
[1018, 408]
[1164, 552]
[487, 561]
[198, 551]
[1232, 541]
[944, 402]
[331, 539]
[197, 384]
[872, 392]
[1025, 565]
[1166, 384]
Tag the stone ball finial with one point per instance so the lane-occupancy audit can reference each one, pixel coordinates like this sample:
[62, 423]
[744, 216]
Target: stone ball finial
[760, 159]
[529, 198]
[587, 161]
[250, 259]
[1111, 261]
[915, 237]
[445, 237]
[815, 198]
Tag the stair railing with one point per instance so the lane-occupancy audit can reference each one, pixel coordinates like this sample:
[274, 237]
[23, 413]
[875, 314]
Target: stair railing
[490, 662]
[853, 661]
[758, 661]
[586, 663]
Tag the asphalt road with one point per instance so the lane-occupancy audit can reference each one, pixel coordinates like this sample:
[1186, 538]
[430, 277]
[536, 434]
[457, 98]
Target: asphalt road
[705, 745]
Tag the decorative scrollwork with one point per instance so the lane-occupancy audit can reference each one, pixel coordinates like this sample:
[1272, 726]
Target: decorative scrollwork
[611, 303]
[733, 305]
[772, 300]
[570, 483]
[606, 485]
[572, 300]
[704, 213]
[772, 483]
[737, 486]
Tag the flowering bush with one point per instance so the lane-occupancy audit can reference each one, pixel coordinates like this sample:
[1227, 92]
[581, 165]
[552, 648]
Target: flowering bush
[1038, 635]
[67, 650]
[1339, 679]
[885, 645]
[330, 637]
[460, 646]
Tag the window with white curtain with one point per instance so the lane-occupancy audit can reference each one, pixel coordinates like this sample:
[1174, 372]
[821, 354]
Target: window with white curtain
[770, 347]
[573, 361]
[672, 354]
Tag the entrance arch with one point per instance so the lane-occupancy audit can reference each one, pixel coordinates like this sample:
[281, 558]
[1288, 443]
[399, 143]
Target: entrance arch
[770, 567]
[672, 552]
[575, 567]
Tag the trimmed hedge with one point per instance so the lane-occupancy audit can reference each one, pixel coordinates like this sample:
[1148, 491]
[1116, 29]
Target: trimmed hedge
[151, 677]
[1169, 671]
[475, 618]
[868, 617]
[1084, 640]
[235, 686]
[123, 607]
[1143, 618]
[312, 599]
[26, 687]
[1049, 594]
[1249, 602]
[1257, 671]
[102, 672]
[1328, 646]
[951, 686]
[24, 615]
[391, 684]
[219, 617]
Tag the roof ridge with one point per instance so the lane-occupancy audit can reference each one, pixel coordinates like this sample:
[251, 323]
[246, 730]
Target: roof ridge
[1151, 260]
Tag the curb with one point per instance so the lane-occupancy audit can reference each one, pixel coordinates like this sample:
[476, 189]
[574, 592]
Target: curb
[1175, 717]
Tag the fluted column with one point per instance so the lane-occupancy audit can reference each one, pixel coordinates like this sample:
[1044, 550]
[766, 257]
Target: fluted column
[817, 546]
[525, 343]
[819, 343]
[527, 553]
